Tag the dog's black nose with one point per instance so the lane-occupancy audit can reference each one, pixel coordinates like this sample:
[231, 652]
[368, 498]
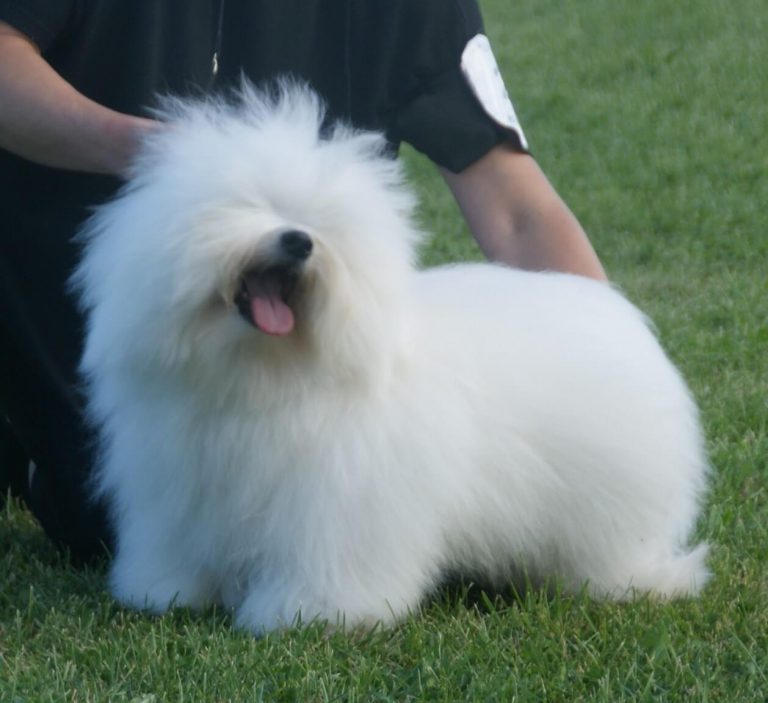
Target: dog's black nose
[296, 244]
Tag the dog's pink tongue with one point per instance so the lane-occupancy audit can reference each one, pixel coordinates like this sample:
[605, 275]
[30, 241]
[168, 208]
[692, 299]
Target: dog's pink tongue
[271, 314]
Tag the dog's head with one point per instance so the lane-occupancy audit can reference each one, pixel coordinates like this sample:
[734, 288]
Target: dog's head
[250, 228]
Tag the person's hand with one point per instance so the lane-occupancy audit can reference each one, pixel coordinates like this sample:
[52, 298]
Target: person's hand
[127, 134]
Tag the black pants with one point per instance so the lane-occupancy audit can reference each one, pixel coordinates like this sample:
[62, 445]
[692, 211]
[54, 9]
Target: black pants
[45, 424]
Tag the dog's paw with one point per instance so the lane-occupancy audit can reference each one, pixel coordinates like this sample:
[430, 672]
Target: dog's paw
[143, 590]
[265, 611]
[678, 576]
[663, 576]
[261, 621]
[262, 612]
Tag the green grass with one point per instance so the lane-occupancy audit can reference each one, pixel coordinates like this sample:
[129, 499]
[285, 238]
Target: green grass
[650, 118]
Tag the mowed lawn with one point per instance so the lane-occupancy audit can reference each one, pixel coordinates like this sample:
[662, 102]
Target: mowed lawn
[650, 118]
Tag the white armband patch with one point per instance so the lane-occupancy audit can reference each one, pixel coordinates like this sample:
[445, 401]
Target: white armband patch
[478, 64]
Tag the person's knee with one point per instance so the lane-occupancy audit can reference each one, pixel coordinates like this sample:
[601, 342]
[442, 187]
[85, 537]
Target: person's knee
[73, 521]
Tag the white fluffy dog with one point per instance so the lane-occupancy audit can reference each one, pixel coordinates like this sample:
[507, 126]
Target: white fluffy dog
[297, 421]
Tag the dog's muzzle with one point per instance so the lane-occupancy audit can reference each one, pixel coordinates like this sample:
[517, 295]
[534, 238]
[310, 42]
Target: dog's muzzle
[266, 292]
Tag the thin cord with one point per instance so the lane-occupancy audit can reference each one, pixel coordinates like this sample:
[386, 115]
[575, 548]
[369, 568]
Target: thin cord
[216, 58]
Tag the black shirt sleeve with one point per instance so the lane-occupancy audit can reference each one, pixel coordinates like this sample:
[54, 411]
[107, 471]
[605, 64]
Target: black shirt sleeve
[446, 122]
[40, 20]
[427, 102]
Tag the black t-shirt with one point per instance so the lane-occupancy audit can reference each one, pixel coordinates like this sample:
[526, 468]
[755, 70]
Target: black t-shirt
[389, 65]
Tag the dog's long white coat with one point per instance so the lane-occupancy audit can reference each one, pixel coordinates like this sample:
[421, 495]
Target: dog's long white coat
[469, 418]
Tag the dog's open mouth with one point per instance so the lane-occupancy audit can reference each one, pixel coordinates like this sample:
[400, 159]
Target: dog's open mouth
[265, 296]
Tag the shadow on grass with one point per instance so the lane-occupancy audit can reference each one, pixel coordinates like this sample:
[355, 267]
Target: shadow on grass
[457, 591]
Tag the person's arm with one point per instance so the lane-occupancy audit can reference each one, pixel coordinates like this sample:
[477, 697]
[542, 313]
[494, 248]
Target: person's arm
[517, 217]
[44, 119]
